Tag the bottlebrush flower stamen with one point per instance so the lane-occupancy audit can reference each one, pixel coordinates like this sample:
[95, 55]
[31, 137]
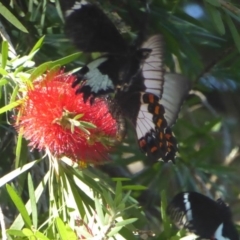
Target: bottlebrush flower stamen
[55, 119]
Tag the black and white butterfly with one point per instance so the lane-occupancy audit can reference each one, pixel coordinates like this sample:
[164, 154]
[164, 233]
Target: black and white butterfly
[134, 75]
[203, 216]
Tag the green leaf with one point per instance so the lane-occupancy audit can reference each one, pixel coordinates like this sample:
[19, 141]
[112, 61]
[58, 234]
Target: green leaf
[215, 3]
[3, 72]
[37, 45]
[20, 205]
[4, 53]
[217, 18]
[11, 18]
[118, 193]
[27, 232]
[14, 232]
[234, 31]
[67, 59]
[40, 70]
[99, 210]
[18, 147]
[65, 232]
[114, 231]
[10, 176]
[166, 222]
[126, 222]
[40, 236]
[10, 106]
[134, 187]
[24, 61]
[33, 201]
[3, 82]
[18, 222]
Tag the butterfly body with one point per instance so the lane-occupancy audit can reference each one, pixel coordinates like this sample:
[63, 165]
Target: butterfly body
[203, 216]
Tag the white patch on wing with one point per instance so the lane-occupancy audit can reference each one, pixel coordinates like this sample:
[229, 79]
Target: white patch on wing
[144, 121]
[153, 66]
[95, 79]
[77, 5]
[187, 205]
[176, 88]
[218, 234]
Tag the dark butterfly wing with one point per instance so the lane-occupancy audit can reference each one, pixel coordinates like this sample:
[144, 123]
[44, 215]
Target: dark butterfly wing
[197, 213]
[90, 29]
[228, 230]
[154, 109]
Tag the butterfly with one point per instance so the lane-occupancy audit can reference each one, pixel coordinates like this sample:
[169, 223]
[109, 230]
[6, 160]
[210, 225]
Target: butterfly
[203, 216]
[133, 75]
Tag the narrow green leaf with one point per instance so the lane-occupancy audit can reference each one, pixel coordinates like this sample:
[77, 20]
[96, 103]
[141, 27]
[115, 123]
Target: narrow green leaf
[134, 187]
[40, 70]
[33, 201]
[3, 81]
[24, 61]
[67, 59]
[87, 124]
[40, 236]
[65, 232]
[27, 232]
[215, 3]
[118, 193]
[234, 31]
[114, 231]
[14, 232]
[37, 45]
[126, 197]
[11, 18]
[72, 189]
[10, 176]
[18, 148]
[14, 94]
[10, 106]
[166, 222]
[99, 210]
[18, 222]
[20, 205]
[121, 179]
[61, 228]
[217, 18]
[126, 222]
[3, 72]
[4, 53]
[49, 65]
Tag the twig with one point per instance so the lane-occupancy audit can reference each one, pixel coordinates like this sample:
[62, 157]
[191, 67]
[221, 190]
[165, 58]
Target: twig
[229, 6]
[214, 62]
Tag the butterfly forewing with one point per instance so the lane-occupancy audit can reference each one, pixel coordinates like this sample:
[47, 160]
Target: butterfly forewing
[90, 29]
[152, 69]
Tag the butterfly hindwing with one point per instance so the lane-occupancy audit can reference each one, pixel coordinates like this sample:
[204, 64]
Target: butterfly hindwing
[202, 216]
[159, 102]
[154, 136]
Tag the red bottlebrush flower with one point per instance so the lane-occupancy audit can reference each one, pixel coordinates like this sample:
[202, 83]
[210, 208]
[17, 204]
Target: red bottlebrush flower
[55, 119]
